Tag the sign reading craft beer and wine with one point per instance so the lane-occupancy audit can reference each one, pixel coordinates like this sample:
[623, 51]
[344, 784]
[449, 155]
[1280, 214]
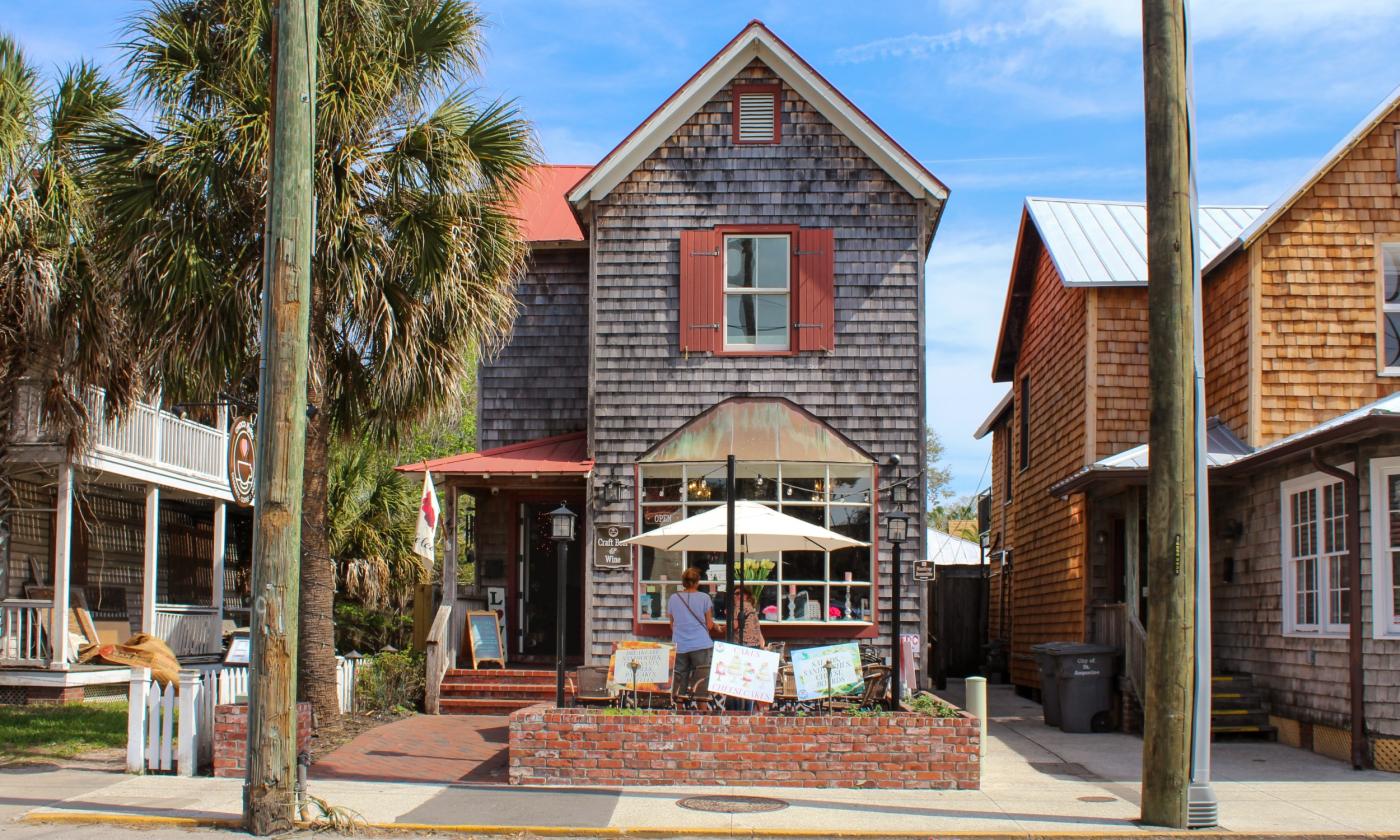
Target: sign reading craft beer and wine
[608, 550]
[240, 461]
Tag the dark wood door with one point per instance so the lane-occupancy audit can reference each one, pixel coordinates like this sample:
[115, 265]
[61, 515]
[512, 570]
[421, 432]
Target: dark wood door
[959, 603]
[538, 582]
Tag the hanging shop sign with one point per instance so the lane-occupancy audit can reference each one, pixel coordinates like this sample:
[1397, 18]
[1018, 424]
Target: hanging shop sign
[923, 570]
[240, 461]
[608, 551]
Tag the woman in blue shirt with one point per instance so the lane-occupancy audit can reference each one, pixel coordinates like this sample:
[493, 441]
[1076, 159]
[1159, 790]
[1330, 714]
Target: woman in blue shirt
[692, 622]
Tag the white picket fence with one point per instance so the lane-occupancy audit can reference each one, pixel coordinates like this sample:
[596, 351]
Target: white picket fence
[172, 727]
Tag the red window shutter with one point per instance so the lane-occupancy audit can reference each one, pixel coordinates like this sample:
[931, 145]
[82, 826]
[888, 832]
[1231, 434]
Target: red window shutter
[701, 295]
[814, 313]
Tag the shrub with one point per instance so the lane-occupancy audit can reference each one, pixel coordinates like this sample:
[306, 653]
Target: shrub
[927, 704]
[363, 629]
[391, 682]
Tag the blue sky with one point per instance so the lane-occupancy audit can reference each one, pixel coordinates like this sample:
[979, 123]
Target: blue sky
[999, 99]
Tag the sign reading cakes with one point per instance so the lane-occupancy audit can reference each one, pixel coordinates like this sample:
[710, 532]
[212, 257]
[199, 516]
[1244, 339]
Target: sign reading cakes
[608, 550]
[240, 461]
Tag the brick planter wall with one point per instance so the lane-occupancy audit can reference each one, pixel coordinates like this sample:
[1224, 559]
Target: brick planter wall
[231, 737]
[585, 747]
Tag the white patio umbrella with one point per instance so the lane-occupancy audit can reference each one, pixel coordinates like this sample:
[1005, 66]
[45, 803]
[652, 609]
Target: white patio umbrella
[757, 529]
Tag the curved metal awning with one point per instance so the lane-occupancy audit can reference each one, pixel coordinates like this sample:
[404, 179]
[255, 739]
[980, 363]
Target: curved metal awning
[756, 429]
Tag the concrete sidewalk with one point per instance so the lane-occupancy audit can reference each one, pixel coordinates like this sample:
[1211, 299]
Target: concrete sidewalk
[1037, 781]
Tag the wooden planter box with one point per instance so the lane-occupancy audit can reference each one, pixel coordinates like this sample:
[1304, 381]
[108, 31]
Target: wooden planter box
[586, 747]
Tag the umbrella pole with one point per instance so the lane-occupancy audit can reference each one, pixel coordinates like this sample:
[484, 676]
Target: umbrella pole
[729, 553]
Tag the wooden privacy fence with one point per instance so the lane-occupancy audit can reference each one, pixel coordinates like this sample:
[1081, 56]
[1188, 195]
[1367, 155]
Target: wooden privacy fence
[171, 727]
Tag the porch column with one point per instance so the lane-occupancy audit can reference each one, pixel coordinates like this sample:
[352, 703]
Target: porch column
[449, 571]
[151, 550]
[216, 587]
[62, 560]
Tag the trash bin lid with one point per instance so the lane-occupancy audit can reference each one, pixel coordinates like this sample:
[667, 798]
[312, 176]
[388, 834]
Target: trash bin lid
[1051, 647]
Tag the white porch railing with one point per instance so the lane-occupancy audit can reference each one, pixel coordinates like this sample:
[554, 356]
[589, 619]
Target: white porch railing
[189, 631]
[24, 632]
[146, 435]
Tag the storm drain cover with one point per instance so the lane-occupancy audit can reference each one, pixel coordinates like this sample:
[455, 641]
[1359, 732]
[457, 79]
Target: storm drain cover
[732, 804]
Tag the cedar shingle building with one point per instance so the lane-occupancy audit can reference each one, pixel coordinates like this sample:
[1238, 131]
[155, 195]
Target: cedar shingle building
[743, 274]
[1302, 352]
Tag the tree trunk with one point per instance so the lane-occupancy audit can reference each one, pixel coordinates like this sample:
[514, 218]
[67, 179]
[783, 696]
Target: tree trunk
[316, 654]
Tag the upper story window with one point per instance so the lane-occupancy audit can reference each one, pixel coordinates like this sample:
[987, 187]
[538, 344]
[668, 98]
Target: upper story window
[757, 114]
[1385, 547]
[757, 289]
[1390, 309]
[756, 292]
[1315, 573]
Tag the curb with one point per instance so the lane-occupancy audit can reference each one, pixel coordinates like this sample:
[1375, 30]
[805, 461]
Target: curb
[153, 821]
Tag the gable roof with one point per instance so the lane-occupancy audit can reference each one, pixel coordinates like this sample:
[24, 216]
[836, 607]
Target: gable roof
[1271, 214]
[1003, 405]
[756, 41]
[558, 455]
[1094, 244]
[944, 549]
[544, 213]
[1104, 243]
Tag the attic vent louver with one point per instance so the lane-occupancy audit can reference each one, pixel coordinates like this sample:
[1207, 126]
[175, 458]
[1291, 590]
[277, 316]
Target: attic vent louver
[756, 114]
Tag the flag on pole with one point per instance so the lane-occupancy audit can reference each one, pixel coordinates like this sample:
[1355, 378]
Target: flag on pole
[428, 512]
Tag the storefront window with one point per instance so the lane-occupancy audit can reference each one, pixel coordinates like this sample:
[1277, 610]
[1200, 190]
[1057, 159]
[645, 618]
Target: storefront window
[794, 587]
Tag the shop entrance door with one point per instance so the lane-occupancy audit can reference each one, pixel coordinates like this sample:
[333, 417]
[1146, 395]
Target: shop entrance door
[537, 581]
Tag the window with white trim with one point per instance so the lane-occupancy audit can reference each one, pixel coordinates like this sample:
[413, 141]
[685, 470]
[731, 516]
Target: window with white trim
[1316, 577]
[1390, 308]
[1385, 548]
[757, 291]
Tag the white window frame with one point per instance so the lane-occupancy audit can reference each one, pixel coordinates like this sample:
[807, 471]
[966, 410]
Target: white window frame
[1385, 621]
[1384, 308]
[743, 290]
[1326, 625]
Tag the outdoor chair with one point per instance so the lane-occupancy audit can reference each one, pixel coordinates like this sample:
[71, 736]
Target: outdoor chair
[592, 686]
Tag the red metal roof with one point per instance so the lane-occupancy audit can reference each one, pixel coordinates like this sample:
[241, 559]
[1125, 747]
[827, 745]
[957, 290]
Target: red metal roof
[567, 454]
[544, 214]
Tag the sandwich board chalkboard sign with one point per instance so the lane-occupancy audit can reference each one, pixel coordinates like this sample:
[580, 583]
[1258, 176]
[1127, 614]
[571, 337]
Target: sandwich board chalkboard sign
[483, 639]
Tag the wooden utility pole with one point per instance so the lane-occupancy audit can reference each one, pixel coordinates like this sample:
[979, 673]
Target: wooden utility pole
[269, 792]
[1171, 477]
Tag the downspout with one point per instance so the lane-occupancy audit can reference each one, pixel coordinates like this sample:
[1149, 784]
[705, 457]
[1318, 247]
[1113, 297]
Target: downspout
[1351, 483]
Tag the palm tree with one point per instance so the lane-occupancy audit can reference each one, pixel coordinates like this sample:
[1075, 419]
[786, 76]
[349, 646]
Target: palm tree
[417, 254]
[61, 324]
[370, 526]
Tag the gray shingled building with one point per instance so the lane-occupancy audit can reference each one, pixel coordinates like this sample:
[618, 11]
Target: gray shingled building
[743, 274]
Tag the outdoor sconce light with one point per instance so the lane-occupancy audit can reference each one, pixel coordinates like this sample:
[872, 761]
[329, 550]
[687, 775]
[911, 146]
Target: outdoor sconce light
[612, 491]
[562, 522]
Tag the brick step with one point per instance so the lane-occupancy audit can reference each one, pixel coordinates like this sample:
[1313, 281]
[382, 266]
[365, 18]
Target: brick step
[522, 691]
[482, 705]
[468, 675]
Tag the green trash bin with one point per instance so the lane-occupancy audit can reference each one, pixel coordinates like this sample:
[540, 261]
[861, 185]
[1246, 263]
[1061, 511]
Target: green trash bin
[1084, 682]
[1045, 657]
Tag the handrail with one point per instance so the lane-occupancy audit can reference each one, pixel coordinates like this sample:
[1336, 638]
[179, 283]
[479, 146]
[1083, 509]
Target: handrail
[438, 658]
[1135, 652]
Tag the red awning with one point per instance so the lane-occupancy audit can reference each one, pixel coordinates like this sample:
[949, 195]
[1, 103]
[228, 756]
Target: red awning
[558, 455]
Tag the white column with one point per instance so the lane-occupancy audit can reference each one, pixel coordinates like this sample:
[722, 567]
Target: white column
[62, 561]
[137, 693]
[449, 571]
[217, 584]
[189, 736]
[151, 551]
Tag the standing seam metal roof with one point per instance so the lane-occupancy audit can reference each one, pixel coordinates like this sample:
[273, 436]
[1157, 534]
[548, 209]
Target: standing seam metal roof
[1104, 243]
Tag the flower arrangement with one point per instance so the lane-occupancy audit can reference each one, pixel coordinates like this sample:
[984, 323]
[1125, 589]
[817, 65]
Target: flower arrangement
[754, 569]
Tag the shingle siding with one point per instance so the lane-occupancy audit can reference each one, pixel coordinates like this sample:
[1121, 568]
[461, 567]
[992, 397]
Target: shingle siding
[1302, 678]
[538, 385]
[868, 388]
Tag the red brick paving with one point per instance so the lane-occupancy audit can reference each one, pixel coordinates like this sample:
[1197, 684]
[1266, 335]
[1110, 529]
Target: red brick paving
[424, 748]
